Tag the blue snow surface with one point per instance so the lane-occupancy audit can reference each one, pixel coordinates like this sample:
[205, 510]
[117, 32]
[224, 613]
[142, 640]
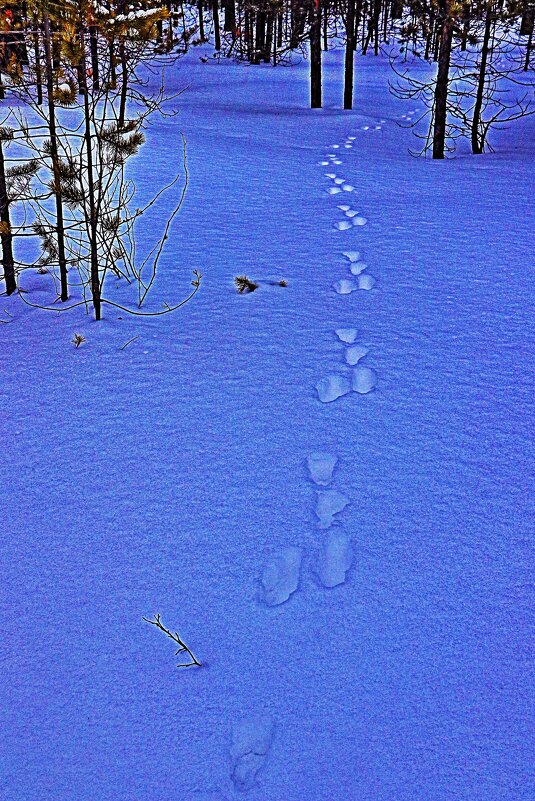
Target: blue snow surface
[173, 476]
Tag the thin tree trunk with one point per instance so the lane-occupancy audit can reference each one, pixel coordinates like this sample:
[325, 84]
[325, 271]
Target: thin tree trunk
[442, 81]
[95, 278]
[6, 236]
[315, 55]
[217, 32]
[37, 58]
[94, 56]
[124, 84]
[478, 141]
[60, 228]
[349, 55]
[201, 19]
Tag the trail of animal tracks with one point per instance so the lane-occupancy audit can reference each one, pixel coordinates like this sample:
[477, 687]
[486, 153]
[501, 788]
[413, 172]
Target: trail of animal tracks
[321, 486]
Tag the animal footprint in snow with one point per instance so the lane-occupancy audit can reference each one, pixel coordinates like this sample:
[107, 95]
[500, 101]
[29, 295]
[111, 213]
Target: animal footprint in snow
[355, 353]
[364, 380]
[280, 577]
[332, 387]
[366, 281]
[329, 503]
[330, 175]
[351, 255]
[321, 467]
[335, 559]
[348, 188]
[358, 267]
[343, 225]
[344, 286]
[344, 208]
[251, 741]
[338, 181]
[347, 335]
[336, 161]
[333, 190]
[359, 220]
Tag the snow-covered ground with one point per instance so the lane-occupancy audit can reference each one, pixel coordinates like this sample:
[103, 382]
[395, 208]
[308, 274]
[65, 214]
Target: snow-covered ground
[198, 474]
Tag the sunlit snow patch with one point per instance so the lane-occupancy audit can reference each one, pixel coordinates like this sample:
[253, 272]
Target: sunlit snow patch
[329, 504]
[321, 467]
[251, 741]
[280, 577]
[335, 559]
[332, 387]
[364, 380]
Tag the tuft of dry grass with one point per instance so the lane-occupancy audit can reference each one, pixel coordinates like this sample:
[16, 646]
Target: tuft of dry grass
[244, 284]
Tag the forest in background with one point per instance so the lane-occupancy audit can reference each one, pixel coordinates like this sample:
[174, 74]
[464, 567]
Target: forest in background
[76, 101]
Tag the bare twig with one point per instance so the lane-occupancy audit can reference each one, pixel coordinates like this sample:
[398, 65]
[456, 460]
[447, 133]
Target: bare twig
[183, 648]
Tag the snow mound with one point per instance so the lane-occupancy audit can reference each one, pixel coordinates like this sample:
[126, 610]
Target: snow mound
[280, 577]
[335, 559]
[251, 741]
[355, 353]
[321, 467]
[329, 503]
[366, 282]
[347, 335]
[332, 387]
[364, 380]
[344, 286]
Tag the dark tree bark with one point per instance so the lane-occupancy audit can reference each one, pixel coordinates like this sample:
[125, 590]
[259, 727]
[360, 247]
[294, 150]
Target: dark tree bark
[217, 32]
[315, 55]
[93, 45]
[6, 236]
[349, 55]
[478, 138]
[95, 278]
[201, 19]
[60, 228]
[230, 17]
[442, 80]
[37, 58]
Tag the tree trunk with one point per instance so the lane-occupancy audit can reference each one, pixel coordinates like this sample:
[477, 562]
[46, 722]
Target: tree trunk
[315, 55]
[442, 80]
[94, 56]
[478, 141]
[92, 222]
[217, 32]
[349, 55]
[37, 58]
[230, 17]
[201, 19]
[6, 236]
[60, 228]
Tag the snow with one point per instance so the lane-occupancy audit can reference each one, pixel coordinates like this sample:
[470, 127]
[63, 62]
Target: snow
[335, 559]
[321, 467]
[280, 577]
[161, 478]
[329, 503]
[364, 379]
